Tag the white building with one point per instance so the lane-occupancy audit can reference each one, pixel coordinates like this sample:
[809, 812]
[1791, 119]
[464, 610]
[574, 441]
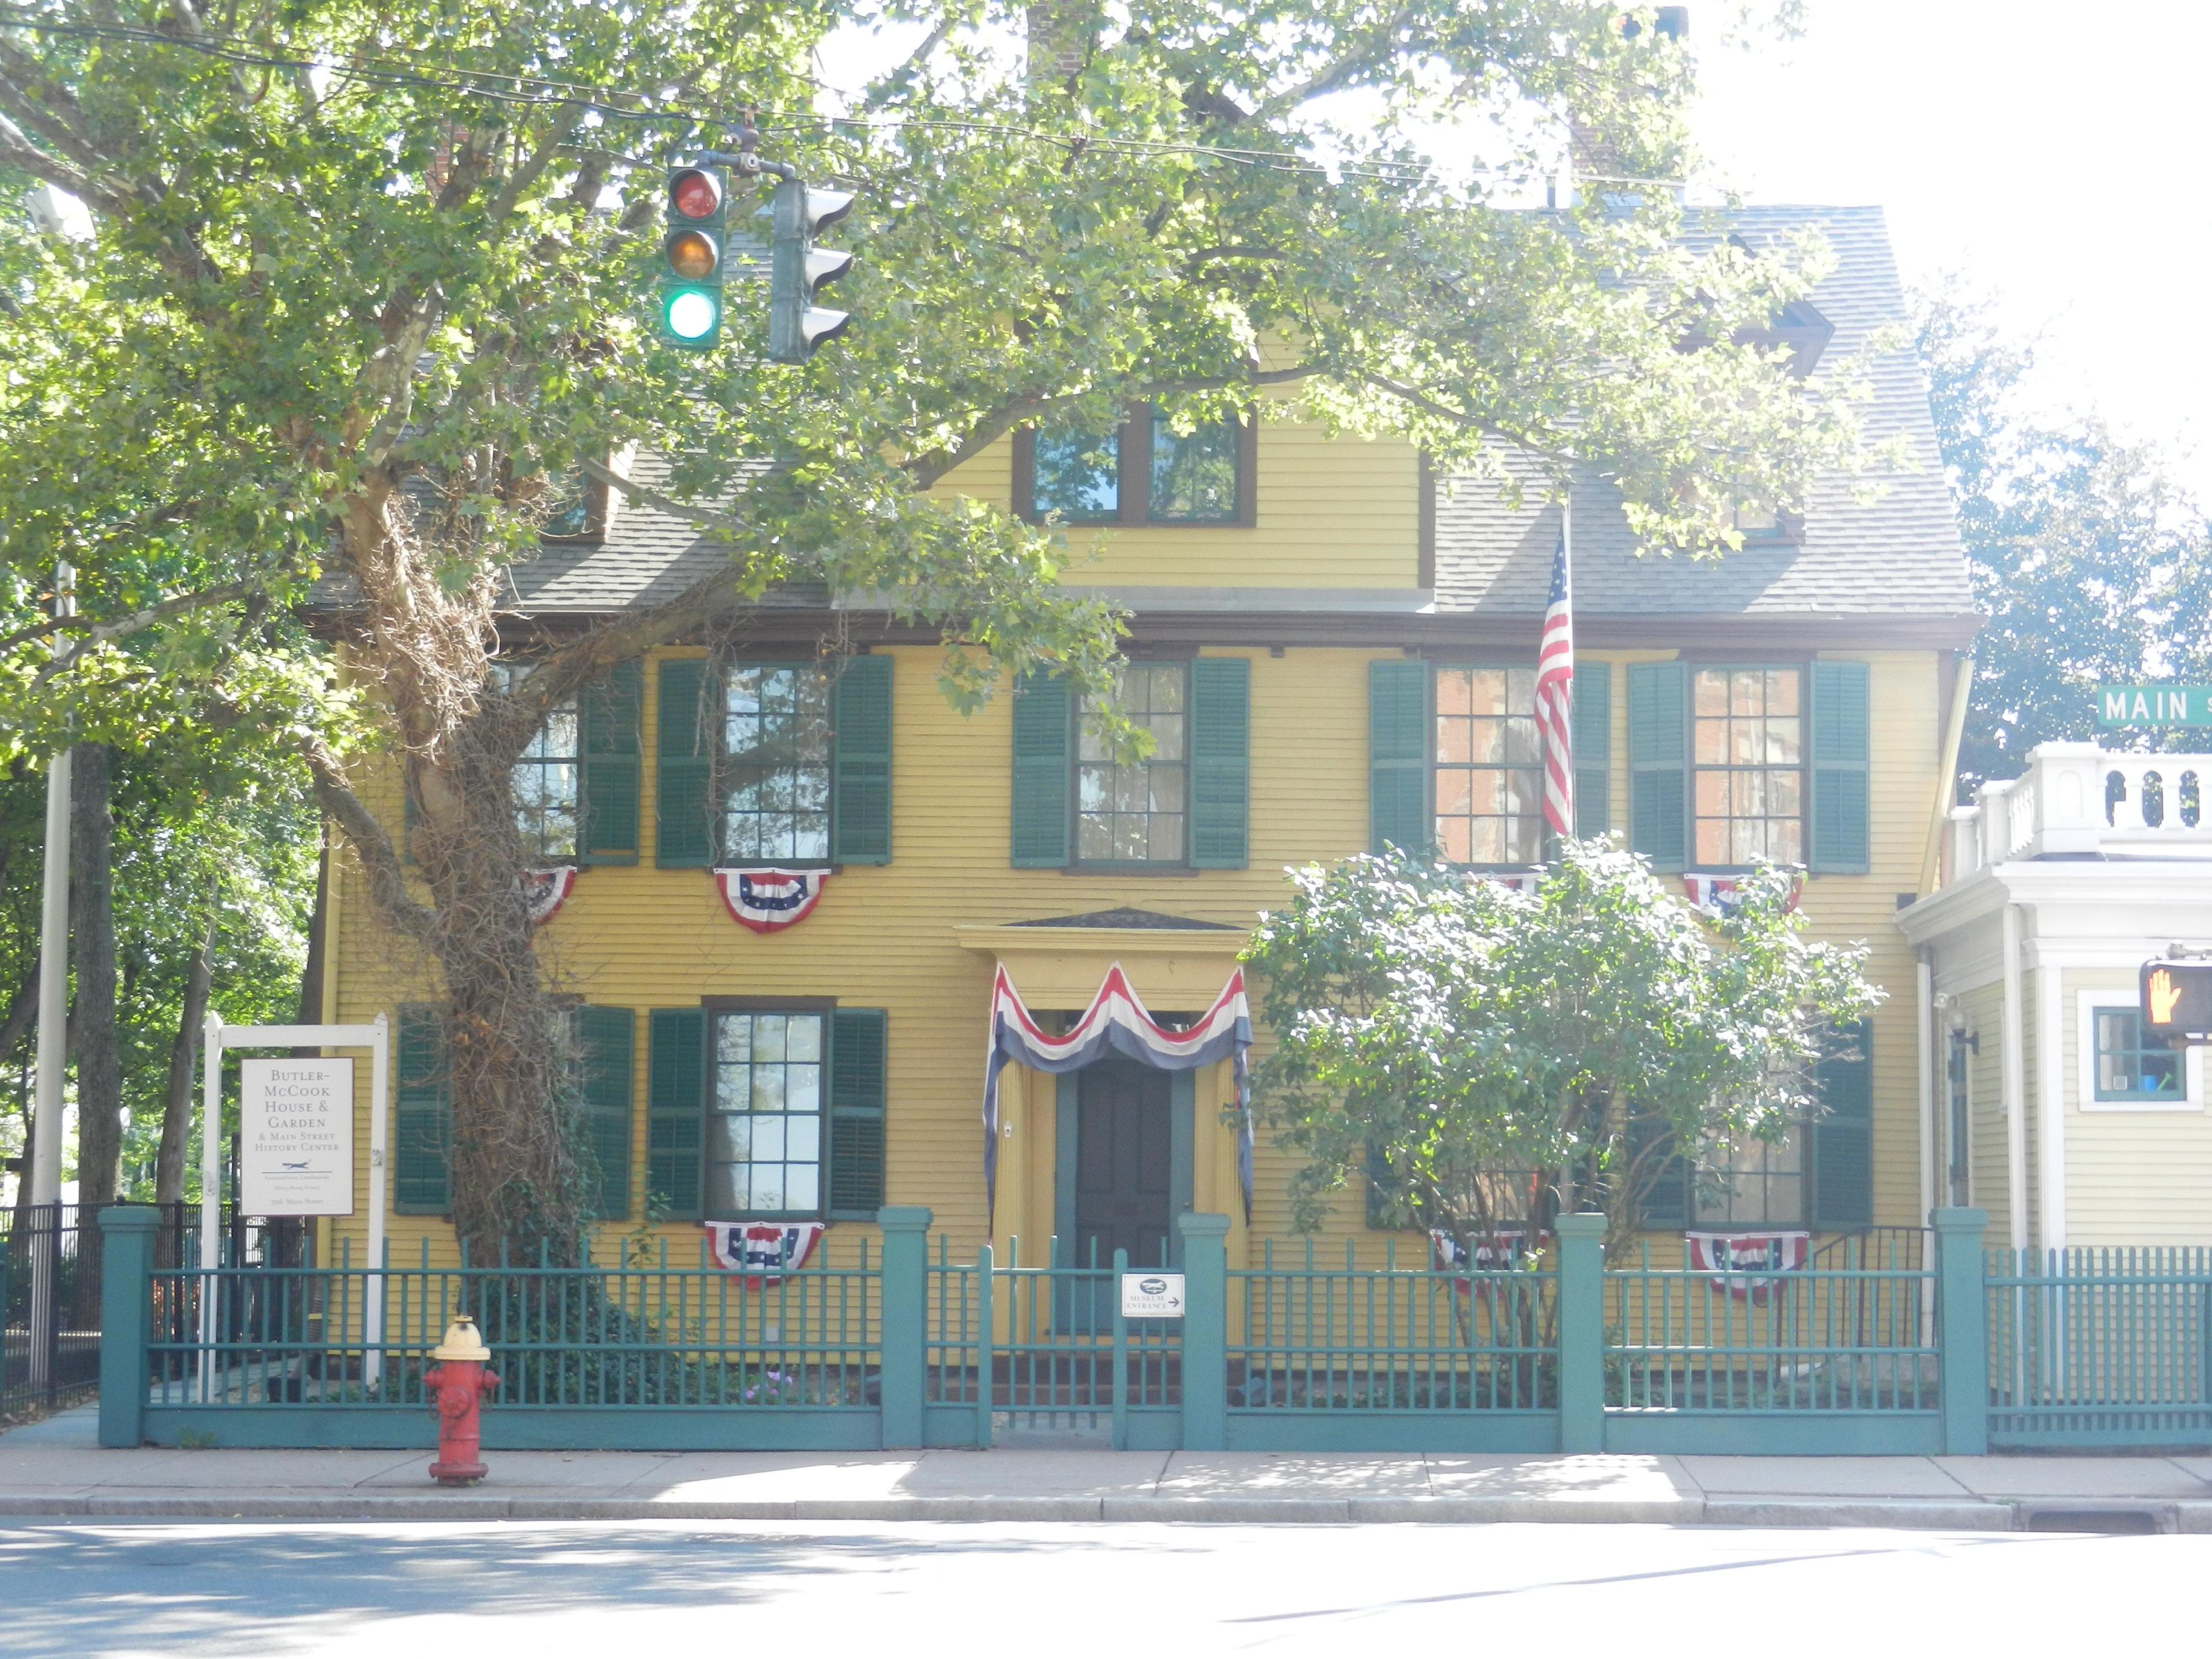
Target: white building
[2042, 1103]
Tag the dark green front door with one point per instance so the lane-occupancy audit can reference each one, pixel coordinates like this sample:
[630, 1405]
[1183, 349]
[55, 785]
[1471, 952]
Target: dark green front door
[1124, 1164]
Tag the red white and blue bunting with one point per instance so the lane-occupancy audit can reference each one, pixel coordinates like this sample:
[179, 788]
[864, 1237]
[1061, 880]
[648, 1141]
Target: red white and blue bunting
[1501, 1250]
[769, 900]
[1116, 1020]
[761, 1250]
[1745, 1264]
[1717, 895]
[545, 891]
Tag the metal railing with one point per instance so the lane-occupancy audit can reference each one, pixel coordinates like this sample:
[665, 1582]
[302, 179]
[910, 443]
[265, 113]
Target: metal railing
[2100, 1347]
[628, 1332]
[1828, 1338]
[1313, 1337]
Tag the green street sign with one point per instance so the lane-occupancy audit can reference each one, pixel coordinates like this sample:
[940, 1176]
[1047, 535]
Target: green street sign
[2155, 705]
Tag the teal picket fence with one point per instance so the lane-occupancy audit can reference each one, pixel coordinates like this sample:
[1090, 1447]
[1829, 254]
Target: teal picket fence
[897, 1344]
[1811, 1359]
[2100, 1347]
[638, 1351]
[1345, 1357]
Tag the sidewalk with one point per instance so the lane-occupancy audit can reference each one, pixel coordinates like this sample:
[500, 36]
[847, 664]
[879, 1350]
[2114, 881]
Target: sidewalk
[56, 1468]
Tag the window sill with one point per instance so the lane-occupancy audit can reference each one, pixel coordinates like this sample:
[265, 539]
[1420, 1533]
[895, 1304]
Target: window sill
[2162, 1106]
[1145, 870]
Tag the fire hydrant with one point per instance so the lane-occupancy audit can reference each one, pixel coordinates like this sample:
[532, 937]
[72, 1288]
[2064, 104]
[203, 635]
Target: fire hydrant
[458, 1386]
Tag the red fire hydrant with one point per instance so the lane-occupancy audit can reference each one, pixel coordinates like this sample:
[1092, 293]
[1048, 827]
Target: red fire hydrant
[458, 1386]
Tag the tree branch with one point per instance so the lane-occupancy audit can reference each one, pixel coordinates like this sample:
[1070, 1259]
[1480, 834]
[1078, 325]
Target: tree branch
[136, 622]
[387, 879]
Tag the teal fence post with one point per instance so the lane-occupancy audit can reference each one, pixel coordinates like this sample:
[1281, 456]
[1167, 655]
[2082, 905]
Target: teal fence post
[1962, 1330]
[905, 1326]
[1205, 1331]
[126, 1319]
[1582, 1333]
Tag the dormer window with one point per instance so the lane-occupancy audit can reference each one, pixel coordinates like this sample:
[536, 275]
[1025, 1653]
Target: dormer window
[1142, 472]
[1760, 521]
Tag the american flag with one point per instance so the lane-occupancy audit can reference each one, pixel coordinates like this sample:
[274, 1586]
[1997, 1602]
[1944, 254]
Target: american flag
[1555, 685]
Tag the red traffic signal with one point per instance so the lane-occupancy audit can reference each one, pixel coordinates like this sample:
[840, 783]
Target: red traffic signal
[695, 193]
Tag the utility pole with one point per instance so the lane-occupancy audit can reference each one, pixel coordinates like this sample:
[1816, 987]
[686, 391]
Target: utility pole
[45, 1171]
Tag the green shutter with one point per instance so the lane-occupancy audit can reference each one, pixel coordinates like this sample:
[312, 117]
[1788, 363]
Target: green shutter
[1840, 747]
[606, 1038]
[1042, 718]
[676, 1110]
[1664, 1202]
[860, 810]
[610, 709]
[1593, 748]
[857, 1091]
[422, 1125]
[1398, 812]
[685, 840]
[1658, 763]
[1843, 1135]
[1220, 762]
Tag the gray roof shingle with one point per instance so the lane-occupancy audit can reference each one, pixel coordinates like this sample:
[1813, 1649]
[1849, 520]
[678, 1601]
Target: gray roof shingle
[1896, 554]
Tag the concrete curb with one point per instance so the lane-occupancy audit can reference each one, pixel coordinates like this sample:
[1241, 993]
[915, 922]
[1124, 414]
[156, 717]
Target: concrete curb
[1914, 1514]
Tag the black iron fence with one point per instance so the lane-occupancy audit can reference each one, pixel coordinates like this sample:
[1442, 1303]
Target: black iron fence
[49, 1288]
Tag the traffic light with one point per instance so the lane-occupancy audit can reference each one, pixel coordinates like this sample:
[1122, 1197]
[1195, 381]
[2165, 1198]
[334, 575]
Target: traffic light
[797, 268]
[2176, 999]
[691, 256]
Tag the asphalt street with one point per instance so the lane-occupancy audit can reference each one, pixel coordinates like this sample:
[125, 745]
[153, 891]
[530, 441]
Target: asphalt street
[680, 1590]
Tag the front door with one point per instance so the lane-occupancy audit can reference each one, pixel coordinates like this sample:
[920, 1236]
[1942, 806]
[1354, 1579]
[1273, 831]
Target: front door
[1124, 1155]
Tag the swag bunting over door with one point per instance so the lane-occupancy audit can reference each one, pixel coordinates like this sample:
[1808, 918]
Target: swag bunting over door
[1116, 1020]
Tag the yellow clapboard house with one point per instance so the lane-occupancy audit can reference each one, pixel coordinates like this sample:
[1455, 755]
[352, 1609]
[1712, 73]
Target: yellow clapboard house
[1333, 649]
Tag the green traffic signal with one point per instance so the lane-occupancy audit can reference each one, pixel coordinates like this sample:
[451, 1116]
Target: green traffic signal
[691, 257]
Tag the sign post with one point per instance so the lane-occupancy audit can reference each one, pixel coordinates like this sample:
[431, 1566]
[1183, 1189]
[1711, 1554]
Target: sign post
[297, 1112]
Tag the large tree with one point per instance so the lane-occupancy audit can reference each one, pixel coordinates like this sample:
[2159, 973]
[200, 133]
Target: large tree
[2093, 566]
[365, 282]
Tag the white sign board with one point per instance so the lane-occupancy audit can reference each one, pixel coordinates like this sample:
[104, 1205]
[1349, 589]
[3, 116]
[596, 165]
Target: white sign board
[1151, 1296]
[295, 1137]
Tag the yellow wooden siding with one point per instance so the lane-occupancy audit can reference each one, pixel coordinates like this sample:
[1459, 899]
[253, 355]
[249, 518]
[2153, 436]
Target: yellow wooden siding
[2132, 1177]
[1332, 512]
[885, 936]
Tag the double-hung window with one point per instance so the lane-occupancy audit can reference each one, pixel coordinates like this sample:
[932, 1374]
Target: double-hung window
[1143, 471]
[775, 764]
[767, 1110]
[1132, 812]
[1456, 761]
[575, 786]
[764, 1140]
[1748, 751]
[1185, 805]
[1734, 764]
[1489, 767]
[1753, 1183]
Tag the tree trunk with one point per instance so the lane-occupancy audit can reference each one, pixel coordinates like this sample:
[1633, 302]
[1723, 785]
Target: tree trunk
[517, 1184]
[92, 929]
[177, 1104]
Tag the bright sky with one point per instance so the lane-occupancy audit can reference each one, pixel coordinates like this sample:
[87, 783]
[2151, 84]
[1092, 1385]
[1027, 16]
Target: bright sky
[2047, 150]
[2051, 152]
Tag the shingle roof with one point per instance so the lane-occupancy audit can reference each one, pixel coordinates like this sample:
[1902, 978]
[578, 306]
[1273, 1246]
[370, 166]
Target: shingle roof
[1897, 554]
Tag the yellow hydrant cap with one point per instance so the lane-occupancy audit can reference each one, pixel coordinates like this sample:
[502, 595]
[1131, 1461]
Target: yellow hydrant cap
[461, 1342]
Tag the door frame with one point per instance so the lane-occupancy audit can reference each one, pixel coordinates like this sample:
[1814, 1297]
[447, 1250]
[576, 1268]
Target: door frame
[1183, 1111]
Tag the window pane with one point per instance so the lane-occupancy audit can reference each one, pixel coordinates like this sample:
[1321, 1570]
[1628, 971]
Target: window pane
[1747, 749]
[1194, 477]
[1077, 476]
[775, 764]
[1131, 812]
[1489, 785]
